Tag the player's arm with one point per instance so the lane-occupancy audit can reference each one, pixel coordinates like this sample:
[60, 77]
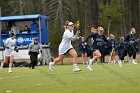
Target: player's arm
[91, 35]
[74, 37]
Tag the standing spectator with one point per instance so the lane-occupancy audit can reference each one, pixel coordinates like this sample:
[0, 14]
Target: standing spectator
[34, 26]
[14, 28]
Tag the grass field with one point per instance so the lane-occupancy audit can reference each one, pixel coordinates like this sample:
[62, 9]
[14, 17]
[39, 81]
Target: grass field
[103, 79]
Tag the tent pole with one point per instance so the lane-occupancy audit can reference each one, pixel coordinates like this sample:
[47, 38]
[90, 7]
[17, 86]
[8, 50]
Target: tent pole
[40, 33]
[0, 33]
[0, 25]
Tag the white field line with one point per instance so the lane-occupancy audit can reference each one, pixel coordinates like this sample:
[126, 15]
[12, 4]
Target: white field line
[13, 77]
[44, 72]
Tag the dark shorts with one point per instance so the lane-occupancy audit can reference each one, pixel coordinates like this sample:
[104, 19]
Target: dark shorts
[83, 52]
[93, 49]
[67, 51]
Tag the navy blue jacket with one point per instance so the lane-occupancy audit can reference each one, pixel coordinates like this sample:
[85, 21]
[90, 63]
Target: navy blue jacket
[99, 40]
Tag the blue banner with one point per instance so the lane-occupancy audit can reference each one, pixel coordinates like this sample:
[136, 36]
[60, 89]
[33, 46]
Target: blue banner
[22, 39]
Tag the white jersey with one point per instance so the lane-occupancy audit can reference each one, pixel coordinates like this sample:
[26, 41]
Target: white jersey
[10, 45]
[65, 44]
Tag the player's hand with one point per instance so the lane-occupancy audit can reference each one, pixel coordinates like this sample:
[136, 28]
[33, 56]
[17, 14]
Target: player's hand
[77, 32]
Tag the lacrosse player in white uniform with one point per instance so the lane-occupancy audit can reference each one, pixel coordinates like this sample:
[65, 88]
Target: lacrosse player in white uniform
[10, 45]
[66, 47]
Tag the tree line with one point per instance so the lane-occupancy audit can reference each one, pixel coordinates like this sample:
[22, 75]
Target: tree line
[125, 14]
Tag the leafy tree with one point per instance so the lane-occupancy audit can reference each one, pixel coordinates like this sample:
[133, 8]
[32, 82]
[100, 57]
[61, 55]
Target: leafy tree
[113, 9]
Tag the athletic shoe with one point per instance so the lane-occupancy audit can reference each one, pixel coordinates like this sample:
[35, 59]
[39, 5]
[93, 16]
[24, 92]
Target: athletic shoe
[109, 62]
[83, 63]
[87, 63]
[89, 68]
[51, 65]
[130, 61]
[133, 62]
[76, 70]
[96, 63]
[9, 71]
[120, 63]
[1, 68]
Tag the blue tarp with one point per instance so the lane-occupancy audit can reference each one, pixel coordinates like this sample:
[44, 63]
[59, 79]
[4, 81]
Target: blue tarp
[23, 17]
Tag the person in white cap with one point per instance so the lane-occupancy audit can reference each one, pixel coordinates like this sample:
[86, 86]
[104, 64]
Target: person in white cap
[66, 47]
[10, 45]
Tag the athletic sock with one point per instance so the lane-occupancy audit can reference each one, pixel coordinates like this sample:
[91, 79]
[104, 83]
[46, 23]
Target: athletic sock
[10, 68]
[91, 61]
[1, 67]
[114, 61]
[75, 66]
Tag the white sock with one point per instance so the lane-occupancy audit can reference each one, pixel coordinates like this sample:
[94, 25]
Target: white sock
[133, 60]
[91, 61]
[130, 61]
[87, 62]
[120, 61]
[109, 60]
[74, 65]
[52, 63]
[114, 61]
[10, 68]
[1, 66]
[96, 62]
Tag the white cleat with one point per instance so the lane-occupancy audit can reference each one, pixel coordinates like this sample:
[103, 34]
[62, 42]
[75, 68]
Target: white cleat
[51, 66]
[1, 68]
[83, 63]
[96, 63]
[89, 68]
[120, 64]
[9, 71]
[130, 62]
[109, 62]
[76, 70]
[87, 63]
[133, 62]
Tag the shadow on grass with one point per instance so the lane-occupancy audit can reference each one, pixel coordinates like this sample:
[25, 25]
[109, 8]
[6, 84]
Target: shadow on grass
[130, 81]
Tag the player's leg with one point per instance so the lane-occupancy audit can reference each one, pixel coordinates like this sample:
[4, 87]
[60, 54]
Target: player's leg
[83, 58]
[114, 58]
[11, 63]
[134, 57]
[56, 60]
[96, 55]
[73, 53]
[6, 58]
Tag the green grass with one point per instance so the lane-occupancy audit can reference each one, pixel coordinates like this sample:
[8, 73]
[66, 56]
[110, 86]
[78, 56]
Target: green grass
[103, 79]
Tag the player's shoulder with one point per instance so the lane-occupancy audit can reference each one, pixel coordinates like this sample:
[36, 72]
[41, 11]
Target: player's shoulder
[68, 33]
[14, 39]
[94, 34]
[9, 39]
